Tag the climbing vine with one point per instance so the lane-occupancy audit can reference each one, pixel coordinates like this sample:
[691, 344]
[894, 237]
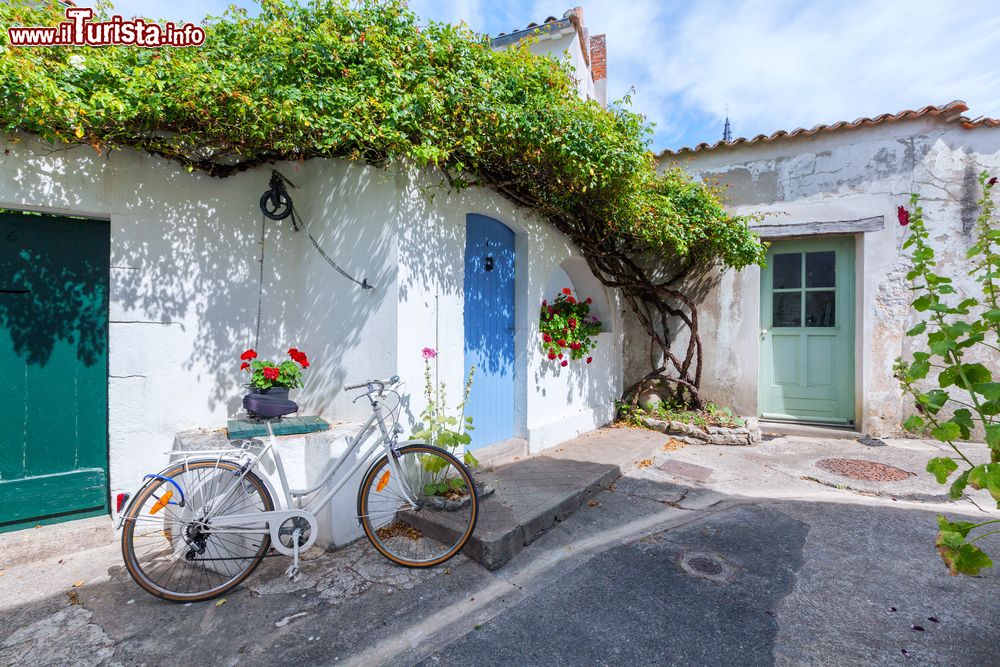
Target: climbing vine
[363, 81]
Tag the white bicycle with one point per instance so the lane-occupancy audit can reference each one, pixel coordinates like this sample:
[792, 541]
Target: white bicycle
[198, 528]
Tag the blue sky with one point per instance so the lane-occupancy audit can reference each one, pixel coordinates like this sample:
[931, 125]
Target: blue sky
[776, 64]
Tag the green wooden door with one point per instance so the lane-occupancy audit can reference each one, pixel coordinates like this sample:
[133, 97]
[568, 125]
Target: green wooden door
[54, 356]
[807, 331]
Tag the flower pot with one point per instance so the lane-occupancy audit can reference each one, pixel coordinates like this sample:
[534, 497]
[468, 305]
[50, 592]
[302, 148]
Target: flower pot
[275, 392]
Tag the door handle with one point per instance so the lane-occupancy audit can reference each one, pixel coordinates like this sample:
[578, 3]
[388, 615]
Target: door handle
[763, 332]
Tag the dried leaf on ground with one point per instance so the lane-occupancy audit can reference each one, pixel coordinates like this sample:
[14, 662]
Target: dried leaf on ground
[672, 444]
[77, 584]
[592, 503]
[73, 597]
[220, 602]
[645, 463]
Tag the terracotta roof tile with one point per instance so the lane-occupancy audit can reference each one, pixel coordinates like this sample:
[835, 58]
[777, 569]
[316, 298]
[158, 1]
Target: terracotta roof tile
[950, 112]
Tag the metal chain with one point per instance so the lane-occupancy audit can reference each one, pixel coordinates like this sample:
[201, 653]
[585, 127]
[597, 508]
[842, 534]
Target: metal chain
[363, 283]
[260, 284]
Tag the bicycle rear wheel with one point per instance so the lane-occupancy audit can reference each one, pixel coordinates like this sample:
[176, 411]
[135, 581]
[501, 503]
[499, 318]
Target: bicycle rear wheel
[444, 518]
[172, 553]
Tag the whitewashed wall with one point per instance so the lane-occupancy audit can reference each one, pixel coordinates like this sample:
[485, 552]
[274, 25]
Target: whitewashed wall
[184, 277]
[836, 176]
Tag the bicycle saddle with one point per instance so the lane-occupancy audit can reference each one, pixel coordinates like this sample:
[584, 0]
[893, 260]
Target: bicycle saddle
[268, 407]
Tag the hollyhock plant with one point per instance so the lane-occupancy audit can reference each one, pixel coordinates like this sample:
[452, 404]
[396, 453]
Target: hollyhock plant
[265, 374]
[440, 426]
[567, 327]
[903, 216]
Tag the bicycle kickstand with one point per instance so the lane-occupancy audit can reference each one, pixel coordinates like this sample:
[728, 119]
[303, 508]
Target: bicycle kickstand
[293, 570]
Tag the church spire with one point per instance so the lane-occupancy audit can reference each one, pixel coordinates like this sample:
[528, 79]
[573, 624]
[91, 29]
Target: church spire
[727, 133]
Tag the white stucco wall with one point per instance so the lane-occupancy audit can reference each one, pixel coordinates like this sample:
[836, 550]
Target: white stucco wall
[836, 176]
[184, 278]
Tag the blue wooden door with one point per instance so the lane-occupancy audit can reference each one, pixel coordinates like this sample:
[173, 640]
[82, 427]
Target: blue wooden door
[489, 328]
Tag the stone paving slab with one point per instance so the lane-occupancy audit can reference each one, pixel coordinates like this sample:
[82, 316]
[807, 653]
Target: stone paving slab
[534, 494]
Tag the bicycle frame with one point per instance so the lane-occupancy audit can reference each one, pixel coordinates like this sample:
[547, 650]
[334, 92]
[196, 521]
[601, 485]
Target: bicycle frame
[293, 507]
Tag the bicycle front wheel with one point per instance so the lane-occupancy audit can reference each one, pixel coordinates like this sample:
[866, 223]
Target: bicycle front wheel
[420, 510]
[173, 551]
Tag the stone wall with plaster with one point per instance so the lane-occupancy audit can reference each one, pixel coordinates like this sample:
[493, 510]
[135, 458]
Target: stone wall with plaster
[845, 175]
[184, 294]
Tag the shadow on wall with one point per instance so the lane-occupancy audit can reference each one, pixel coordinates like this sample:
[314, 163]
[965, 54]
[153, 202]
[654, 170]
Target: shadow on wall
[350, 209]
[184, 274]
[53, 286]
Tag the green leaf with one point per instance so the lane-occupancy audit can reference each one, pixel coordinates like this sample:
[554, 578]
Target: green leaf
[919, 369]
[914, 423]
[973, 374]
[941, 467]
[963, 417]
[470, 460]
[958, 486]
[960, 527]
[993, 436]
[967, 559]
[947, 432]
[991, 390]
[917, 330]
[922, 303]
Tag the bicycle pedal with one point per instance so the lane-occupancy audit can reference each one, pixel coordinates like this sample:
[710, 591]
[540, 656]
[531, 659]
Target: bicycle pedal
[293, 573]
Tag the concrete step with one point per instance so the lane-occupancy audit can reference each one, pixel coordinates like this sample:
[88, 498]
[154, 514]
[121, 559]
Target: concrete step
[534, 494]
[809, 430]
[58, 539]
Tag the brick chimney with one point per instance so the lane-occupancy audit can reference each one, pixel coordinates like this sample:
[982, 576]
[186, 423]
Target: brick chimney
[599, 67]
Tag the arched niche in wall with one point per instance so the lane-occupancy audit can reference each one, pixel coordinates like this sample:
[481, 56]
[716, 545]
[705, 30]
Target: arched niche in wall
[575, 274]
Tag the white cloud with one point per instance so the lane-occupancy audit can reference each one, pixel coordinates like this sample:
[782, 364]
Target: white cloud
[780, 65]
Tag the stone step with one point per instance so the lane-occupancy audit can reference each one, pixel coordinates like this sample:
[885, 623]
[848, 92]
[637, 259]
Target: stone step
[534, 494]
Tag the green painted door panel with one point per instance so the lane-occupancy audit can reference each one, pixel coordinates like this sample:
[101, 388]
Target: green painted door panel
[807, 331]
[54, 276]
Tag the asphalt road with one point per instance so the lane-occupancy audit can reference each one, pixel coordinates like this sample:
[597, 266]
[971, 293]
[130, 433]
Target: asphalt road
[798, 583]
[656, 572]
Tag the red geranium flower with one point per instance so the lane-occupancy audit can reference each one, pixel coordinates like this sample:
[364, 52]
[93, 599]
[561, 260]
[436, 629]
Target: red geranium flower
[571, 299]
[567, 291]
[589, 301]
[589, 359]
[560, 355]
[564, 363]
[545, 302]
[903, 215]
[271, 373]
[572, 323]
[552, 355]
[547, 338]
[248, 355]
[244, 366]
[561, 343]
[299, 357]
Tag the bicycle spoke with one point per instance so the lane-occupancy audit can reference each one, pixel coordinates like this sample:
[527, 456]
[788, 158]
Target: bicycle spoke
[441, 490]
[178, 554]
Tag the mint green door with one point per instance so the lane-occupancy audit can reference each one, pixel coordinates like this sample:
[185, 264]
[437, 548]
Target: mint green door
[54, 356]
[807, 331]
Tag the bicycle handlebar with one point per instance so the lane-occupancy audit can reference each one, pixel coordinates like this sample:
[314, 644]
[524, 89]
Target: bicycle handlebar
[369, 384]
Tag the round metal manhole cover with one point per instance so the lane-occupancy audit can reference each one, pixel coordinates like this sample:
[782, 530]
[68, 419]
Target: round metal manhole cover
[867, 471]
[705, 565]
